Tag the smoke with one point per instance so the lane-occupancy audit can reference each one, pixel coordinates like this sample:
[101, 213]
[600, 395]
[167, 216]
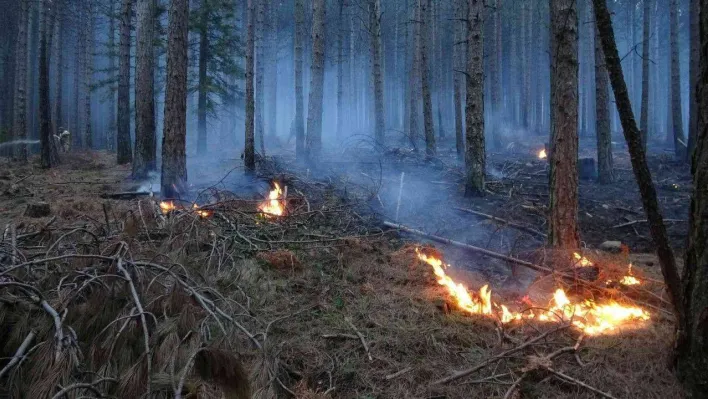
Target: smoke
[18, 142]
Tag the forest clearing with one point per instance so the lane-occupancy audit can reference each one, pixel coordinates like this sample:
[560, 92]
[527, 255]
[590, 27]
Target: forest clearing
[354, 199]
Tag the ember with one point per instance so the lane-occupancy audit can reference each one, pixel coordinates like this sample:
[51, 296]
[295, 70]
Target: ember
[275, 204]
[590, 317]
[542, 154]
[581, 260]
[169, 206]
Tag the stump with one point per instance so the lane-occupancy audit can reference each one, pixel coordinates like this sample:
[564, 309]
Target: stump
[587, 169]
[38, 210]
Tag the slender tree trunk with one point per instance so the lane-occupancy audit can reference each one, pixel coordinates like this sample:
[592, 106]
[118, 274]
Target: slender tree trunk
[260, 72]
[299, 97]
[375, 26]
[638, 157]
[692, 345]
[563, 207]
[457, 80]
[676, 112]
[314, 114]
[174, 155]
[605, 173]
[145, 138]
[111, 131]
[414, 82]
[88, 74]
[203, 83]
[125, 151]
[474, 107]
[693, 71]
[644, 122]
[20, 100]
[272, 69]
[79, 52]
[48, 157]
[249, 153]
[496, 81]
[425, 21]
[525, 70]
[340, 70]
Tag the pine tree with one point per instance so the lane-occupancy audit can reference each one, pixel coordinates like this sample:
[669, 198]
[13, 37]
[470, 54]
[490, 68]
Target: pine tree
[299, 98]
[314, 114]
[20, 100]
[644, 122]
[125, 151]
[375, 34]
[474, 108]
[430, 148]
[145, 138]
[249, 153]
[605, 173]
[676, 113]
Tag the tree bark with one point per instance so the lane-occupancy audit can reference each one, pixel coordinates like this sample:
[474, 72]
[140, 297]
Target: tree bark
[638, 157]
[414, 80]
[314, 114]
[375, 26]
[693, 72]
[474, 107]
[605, 172]
[174, 156]
[203, 60]
[260, 72]
[299, 97]
[676, 112]
[48, 156]
[111, 129]
[457, 79]
[340, 70]
[563, 206]
[125, 151]
[425, 21]
[20, 100]
[249, 152]
[644, 122]
[145, 139]
[88, 74]
[692, 344]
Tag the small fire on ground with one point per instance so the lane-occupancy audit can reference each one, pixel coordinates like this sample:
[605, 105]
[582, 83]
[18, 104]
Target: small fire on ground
[275, 204]
[593, 318]
[542, 154]
[169, 206]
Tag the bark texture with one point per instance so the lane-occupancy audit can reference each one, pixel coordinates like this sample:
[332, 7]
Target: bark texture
[605, 173]
[340, 70]
[299, 97]
[111, 128]
[676, 113]
[174, 157]
[249, 152]
[474, 106]
[644, 122]
[414, 79]
[375, 26]
[563, 207]
[49, 158]
[20, 100]
[425, 22]
[314, 114]
[457, 82]
[88, 74]
[693, 72]
[203, 62]
[692, 346]
[125, 151]
[260, 71]
[145, 139]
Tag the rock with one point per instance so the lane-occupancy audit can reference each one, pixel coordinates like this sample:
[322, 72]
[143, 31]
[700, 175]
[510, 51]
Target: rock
[38, 210]
[611, 246]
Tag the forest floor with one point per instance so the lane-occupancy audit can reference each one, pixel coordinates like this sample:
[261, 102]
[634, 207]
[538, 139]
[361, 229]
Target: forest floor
[323, 301]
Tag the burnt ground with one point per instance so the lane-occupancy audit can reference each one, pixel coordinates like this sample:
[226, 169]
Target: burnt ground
[339, 306]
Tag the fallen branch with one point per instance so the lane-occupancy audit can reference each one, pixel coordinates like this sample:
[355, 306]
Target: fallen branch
[633, 222]
[570, 379]
[505, 222]
[19, 354]
[361, 338]
[469, 247]
[398, 373]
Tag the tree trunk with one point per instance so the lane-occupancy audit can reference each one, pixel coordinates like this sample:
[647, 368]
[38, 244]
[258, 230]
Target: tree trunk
[203, 84]
[299, 97]
[474, 108]
[20, 100]
[340, 70]
[314, 114]
[48, 158]
[457, 79]
[375, 26]
[605, 173]
[425, 78]
[111, 130]
[644, 122]
[88, 74]
[145, 139]
[79, 52]
[125, 151]
[676, 113]
[174, 155]
[260, 71]
[59, 83]
[638, 156]
[693, 71]
[272, 69]
[414, 82]
[563, 207]
[249, 152]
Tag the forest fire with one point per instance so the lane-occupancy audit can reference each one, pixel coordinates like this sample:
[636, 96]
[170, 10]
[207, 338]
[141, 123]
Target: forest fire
[169, 206]
[581, 260]
[542, 154]
[590, 317]
[275, 204]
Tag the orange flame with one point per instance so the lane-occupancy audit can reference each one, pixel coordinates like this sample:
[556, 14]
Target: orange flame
[203, 213]
[542, 154]
[582, 261]
[588, 316]
[167, 206]
[274, 206]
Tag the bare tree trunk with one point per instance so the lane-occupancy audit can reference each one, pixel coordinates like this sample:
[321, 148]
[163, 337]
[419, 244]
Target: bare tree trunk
[496, 78]
[249, 152]
[638, 156]
[605, 173]
[88, 74]
[314, 114]
[299, 97]
[145, 139]
[79, 52]
[692, 345]
[375, 26]
[48, 152]
[474, 108]
[414, 81]
[260, 71]
[425, 21]
[676, 113]
[340, 70]
[57, 50]
[125, 151]
[272, 69]
[457, 79]
[111, 135]
[174, 155]
[693, 71]
[203, 92]
[20, 100]
[644, 122]
[563, 207]
[525, 70]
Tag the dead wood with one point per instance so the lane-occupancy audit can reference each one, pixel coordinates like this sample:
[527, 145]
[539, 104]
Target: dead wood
[505, 222]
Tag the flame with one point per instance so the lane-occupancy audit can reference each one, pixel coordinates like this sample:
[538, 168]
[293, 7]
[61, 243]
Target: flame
[274, 205]
[203, 213]
[629, 279]
[582, 261]
[167, 206]
[588, 316]
[542, 154]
